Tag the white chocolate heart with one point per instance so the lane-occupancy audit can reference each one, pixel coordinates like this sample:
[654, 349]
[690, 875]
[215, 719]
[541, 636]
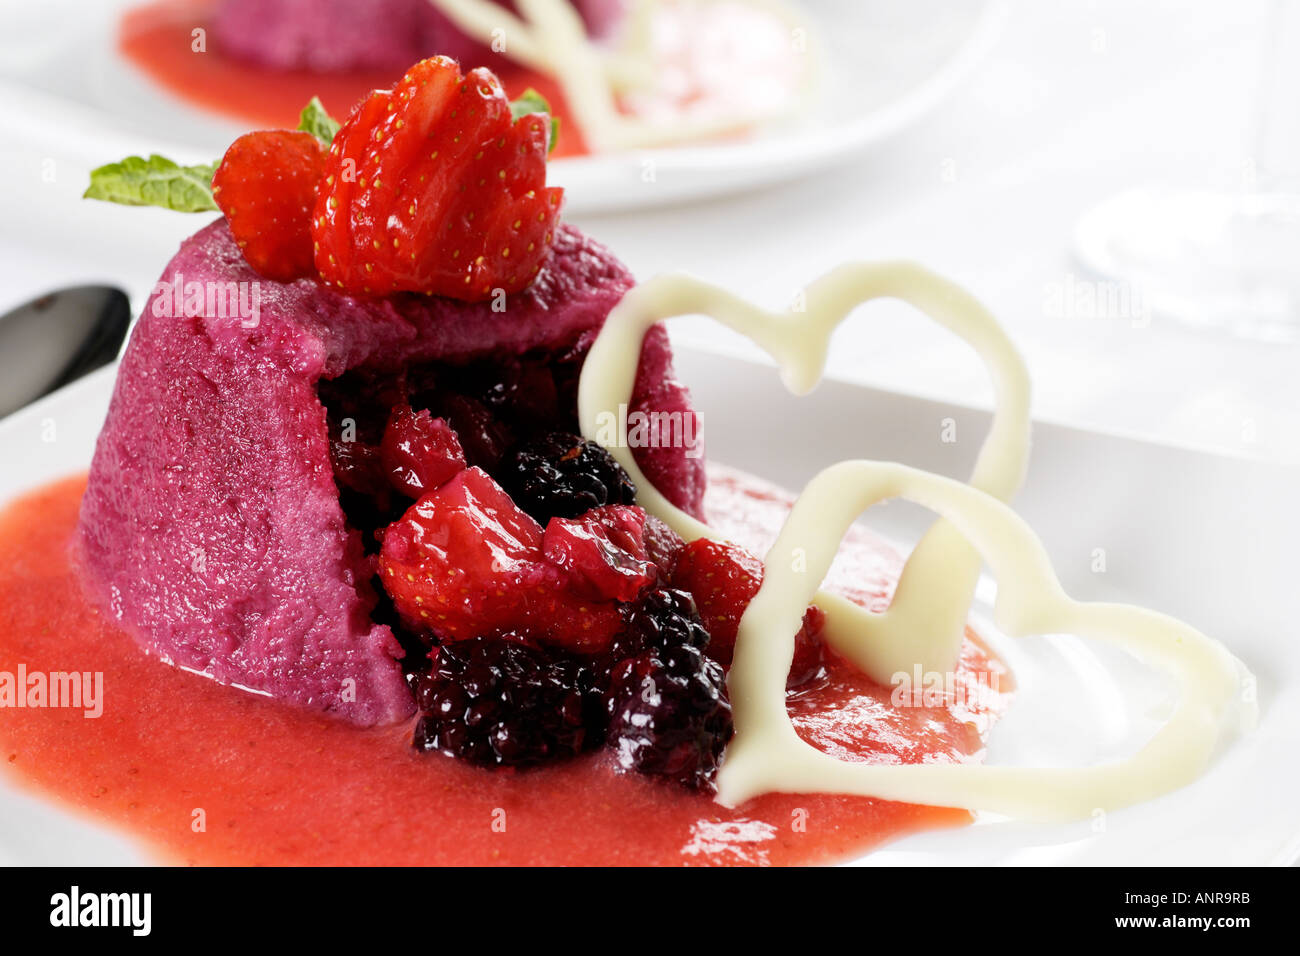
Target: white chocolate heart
[767, 754]
[925, 622]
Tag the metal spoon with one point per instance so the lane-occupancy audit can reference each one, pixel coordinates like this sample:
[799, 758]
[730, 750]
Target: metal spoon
[56, 339]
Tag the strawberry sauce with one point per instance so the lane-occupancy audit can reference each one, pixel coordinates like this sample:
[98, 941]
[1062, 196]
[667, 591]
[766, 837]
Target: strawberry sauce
[272, 784]
[158, 39]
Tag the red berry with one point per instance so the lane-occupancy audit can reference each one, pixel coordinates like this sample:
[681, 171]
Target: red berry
[266, 186]
[603, 551]
[484, 436]
[433, 186]
[465, 562]
[420, 453]
[723, 578]
[662, 544]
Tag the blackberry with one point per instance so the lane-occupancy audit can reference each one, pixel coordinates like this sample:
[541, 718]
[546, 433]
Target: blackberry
[665, 702]
[663, 618]
[560, 475]
[669, 714]
[495, 701]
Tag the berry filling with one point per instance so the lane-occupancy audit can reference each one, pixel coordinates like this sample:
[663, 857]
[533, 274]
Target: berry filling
[603, 551]
[543, 613]
[500, 701]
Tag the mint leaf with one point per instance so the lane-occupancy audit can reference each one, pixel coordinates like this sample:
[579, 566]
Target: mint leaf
[313, 119]
[156, 181]
[533, 102]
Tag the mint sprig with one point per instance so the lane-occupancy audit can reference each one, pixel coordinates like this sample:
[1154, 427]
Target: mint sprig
[156, 181]
[313, 119]
[529, 102]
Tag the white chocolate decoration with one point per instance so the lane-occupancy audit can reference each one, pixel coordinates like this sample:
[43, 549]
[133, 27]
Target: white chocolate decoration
[767, 754]
[925, 623]
[550, 37]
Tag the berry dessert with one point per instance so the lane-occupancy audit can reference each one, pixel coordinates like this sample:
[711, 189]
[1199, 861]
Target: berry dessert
[380, 571]
[621, 73]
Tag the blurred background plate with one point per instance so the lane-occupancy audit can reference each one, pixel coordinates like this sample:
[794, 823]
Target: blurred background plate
[63, 81]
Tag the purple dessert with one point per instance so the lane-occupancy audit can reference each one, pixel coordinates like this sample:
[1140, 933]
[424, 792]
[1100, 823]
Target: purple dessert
[212, 526]
[341, 35]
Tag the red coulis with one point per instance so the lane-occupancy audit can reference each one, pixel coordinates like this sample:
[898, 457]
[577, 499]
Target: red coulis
[274, 784]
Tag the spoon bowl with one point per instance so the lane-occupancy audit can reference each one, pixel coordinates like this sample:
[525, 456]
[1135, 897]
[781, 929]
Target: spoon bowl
[57, 338]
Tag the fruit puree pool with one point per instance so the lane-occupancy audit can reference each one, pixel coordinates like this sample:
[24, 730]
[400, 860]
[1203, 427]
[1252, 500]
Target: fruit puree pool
[207, 774]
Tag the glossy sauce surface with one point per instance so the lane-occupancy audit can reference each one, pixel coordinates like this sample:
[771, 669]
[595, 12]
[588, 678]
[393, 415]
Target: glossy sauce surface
[276, 785]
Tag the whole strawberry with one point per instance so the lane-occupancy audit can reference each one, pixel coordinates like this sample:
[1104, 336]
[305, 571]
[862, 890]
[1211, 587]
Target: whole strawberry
[266, 186]
[434, 186]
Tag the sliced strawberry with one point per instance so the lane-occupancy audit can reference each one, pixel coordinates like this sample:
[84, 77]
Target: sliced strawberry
[723, 578]
[419, 452]
[434, 187]
[465, 562]
[603, 551]
[266, 186]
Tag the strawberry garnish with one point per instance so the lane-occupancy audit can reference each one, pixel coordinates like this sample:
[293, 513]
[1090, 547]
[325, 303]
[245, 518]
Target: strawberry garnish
[435, 187]
[266, 186]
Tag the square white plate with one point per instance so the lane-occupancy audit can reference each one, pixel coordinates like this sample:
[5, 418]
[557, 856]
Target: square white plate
[1209, 539]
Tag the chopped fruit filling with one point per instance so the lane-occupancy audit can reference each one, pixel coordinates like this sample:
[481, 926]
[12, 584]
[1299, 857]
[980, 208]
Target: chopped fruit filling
[266, 187]
[465, 562]
[724, 578]
[603, 551]
[559, 475]
[420, 453]
[484, 436]
[654, 697]
[666, 700]
[662, 545]
[435, 187]
[498, 701]
[573, 609]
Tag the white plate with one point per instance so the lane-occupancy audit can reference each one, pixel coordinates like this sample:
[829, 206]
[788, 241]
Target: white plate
[1207, 538]
[887, 63]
